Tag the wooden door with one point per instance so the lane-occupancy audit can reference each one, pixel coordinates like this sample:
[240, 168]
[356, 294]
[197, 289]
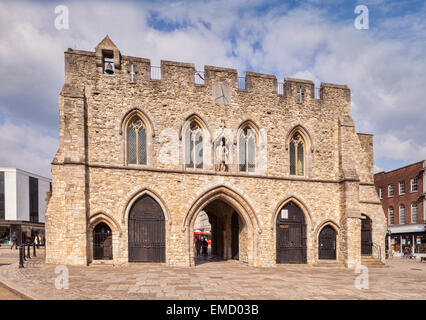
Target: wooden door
[147, 235]
[327, 243]
[291, 235]
[366, 236]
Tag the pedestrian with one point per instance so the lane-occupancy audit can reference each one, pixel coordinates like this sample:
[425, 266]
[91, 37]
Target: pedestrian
[37, 241]
[205, 245]
[197, 246]
[14, 239]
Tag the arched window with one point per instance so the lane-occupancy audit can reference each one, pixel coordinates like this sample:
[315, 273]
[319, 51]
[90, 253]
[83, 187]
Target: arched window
[194, 146]
[391, 216]
[401, 214]
[297, 155]
[247, 150]
[136, 142]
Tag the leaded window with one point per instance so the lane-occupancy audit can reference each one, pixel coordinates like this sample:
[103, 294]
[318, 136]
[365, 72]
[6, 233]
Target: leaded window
[194, 147]
[297, 153]
[136, 142]
[247, 150]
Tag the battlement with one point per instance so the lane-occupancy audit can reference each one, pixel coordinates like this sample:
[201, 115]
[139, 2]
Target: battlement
[135, 69]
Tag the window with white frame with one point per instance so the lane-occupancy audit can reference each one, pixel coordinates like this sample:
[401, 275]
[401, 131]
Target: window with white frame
[401, 187]
[414, 213]
[401, 214]
[391, 216]
[414, 185]
[390, 190]
[381, 193]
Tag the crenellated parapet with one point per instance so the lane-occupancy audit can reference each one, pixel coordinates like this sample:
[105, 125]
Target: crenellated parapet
[128, 69]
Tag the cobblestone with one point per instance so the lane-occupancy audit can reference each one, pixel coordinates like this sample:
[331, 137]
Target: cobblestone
[403, 279]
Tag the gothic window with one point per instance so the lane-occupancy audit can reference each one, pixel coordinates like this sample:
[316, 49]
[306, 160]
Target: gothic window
[247, 150]
[194, 147]
[297, 147]
[391, 216]
[401, 214]
[136, 142]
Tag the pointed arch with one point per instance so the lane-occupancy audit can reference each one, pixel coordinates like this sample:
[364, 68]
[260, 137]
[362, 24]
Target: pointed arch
[238, 203]
[300, 150]
[300, 204]
[139, 112]
[138, 194]
[325, 223]
[137, 130]
[95, 220]
[197, 144]
[247, 140]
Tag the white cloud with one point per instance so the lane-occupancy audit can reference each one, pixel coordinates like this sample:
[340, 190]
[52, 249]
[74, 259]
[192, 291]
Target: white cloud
[383, 67]
[26, 148]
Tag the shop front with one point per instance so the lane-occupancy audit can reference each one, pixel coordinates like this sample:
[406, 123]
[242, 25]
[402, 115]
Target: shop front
[411, 236]
[24, 231]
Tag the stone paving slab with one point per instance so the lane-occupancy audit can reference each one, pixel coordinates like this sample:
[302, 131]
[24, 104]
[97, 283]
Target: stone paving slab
[218, 280]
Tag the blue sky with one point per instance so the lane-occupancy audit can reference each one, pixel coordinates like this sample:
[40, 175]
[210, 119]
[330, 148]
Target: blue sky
[384, 66]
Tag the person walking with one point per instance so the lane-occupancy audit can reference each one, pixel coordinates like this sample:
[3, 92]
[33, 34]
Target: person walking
[198, 246]
[14, 239]
[37, 241]
[205, 245]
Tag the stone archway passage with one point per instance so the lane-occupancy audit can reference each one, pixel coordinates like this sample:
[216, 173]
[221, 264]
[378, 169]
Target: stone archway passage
[102, 242]
[147, 232]
[366, 235]
[327, 244]
[291, 235]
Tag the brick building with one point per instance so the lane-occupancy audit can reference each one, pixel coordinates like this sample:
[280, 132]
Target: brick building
[402, 193]
[280, 172]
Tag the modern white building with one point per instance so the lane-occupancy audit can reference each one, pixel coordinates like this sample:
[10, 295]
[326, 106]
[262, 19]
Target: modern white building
[22, 204]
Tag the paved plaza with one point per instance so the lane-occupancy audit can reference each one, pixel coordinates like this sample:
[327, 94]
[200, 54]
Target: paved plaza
[402, 279]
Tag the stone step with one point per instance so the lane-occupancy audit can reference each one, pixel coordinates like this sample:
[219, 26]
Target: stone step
[372, 262]
[328, 263]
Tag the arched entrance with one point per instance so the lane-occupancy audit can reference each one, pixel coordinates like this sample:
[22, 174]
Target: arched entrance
[366, 235]
[147, 232]
[291, 235]
[224, 208]
[102, 242]
[327, 243]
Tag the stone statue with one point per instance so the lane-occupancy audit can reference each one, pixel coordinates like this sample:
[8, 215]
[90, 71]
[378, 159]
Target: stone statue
[221, 155]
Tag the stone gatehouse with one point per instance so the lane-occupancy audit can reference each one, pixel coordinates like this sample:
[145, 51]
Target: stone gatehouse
[280, 170]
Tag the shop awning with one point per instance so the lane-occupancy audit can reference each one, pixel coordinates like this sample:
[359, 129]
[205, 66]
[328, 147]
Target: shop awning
[407, 228]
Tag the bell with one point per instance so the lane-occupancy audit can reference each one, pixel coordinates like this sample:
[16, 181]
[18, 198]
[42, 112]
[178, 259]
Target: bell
[108, 68]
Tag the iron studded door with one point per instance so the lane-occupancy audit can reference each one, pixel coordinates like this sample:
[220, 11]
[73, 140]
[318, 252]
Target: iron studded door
[327, 243]
[291, 235]
[102, 242]
[366, 237]
[147, 236]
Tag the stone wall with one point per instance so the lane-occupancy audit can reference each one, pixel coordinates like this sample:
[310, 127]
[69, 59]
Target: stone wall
[92, 181]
